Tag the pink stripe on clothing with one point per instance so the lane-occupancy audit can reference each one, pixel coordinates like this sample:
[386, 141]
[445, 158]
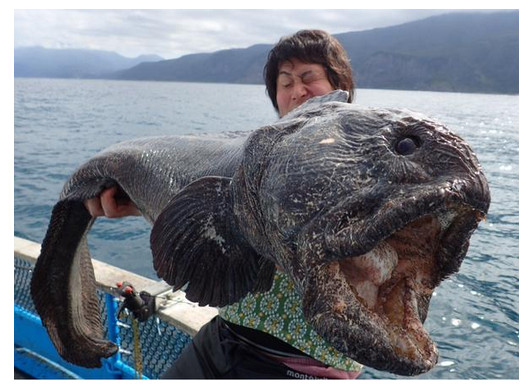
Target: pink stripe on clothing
[315, 368]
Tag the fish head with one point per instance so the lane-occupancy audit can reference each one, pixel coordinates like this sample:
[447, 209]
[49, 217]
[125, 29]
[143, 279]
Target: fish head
[367, 210]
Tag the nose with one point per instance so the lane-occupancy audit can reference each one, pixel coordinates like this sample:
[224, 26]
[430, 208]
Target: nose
[300, 92]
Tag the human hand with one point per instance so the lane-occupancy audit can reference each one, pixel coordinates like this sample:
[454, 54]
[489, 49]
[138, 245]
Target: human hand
[108, 204]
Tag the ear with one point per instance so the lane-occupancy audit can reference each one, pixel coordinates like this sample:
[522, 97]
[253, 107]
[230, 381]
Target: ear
[195, 241]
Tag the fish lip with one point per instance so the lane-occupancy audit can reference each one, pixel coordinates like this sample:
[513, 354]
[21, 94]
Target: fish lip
[343, 240]
[360, 333]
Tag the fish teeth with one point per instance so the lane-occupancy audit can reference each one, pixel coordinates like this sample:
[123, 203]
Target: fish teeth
[366, 273]
[378, 264]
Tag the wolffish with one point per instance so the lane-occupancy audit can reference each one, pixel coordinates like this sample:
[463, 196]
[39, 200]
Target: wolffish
[367, 211]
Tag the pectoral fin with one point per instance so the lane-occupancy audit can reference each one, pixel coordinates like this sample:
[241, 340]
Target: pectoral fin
[195, 241]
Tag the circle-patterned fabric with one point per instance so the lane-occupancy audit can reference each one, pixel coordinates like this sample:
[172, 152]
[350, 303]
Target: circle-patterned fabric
[278, 312]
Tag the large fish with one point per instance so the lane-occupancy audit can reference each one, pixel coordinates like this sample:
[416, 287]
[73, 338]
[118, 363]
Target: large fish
[367, 210]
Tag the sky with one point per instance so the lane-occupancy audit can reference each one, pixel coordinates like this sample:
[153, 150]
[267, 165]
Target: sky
[171, 33]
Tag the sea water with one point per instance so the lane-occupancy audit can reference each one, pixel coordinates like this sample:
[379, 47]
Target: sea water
[474, 316]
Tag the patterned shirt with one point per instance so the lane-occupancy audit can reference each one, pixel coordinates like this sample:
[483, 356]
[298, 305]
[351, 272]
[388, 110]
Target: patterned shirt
[278, 312]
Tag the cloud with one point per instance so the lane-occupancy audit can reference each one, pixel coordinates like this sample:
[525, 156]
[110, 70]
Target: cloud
[173, 33]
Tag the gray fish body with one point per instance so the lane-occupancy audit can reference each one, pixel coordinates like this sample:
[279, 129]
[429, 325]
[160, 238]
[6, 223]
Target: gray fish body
[152, 170]
[367, 210]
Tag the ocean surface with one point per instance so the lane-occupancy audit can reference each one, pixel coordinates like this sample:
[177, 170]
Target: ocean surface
[474, 315]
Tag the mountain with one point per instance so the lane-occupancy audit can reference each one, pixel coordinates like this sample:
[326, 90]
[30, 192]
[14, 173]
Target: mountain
[72, 63]
[466, 52]
[462, 52]
[226, 66]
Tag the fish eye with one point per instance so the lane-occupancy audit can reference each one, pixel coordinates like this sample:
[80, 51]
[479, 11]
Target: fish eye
[407, 145]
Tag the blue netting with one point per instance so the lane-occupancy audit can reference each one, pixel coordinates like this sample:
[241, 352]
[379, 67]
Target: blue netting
[161, 343]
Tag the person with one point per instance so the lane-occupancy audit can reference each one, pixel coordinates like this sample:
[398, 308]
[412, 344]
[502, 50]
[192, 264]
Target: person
[264, 336]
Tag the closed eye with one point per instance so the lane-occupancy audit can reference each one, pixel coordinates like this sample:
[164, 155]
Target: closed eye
[311, 76]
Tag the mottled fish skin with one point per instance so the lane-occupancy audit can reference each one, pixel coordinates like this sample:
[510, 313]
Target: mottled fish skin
[367, 210]
[373, 209]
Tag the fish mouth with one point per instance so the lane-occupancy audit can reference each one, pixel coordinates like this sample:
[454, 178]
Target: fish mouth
[370, 300]
[392, 284]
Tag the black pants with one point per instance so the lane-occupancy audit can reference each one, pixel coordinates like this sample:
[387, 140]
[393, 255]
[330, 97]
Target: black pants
[216, 352]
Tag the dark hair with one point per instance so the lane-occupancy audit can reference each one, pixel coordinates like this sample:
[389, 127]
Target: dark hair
[310, 46]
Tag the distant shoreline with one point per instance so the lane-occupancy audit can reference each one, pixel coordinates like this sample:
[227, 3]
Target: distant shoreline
[359, 87]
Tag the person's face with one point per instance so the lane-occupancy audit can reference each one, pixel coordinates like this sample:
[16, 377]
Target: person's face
[297, 82]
